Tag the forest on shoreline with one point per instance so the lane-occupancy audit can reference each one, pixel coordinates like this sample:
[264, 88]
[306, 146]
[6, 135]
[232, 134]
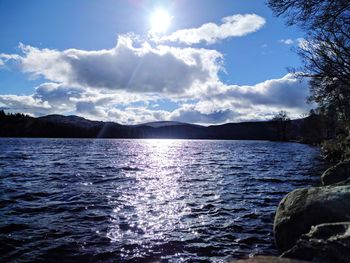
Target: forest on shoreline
[312, 129]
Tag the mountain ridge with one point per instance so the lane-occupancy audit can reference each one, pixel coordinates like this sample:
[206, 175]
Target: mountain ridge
[55, 125]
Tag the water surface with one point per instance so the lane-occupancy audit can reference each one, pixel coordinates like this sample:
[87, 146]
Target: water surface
[145, 200]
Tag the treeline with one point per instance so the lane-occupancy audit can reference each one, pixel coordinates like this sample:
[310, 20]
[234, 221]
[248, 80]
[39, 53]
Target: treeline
[20, 125]
[312, 129]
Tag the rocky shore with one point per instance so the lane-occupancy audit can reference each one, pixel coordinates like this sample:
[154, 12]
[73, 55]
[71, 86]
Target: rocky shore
[313, 224]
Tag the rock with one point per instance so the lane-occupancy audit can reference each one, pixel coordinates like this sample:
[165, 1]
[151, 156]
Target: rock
[336, 174]
[346, 182]
[304, 208]
[324, 243]
[263, 259]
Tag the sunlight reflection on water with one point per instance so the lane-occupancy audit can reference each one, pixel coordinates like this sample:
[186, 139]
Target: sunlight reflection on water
[146, 200]
[154, 214]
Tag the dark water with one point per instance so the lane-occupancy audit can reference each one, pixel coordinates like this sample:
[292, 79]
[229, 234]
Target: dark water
[144, 200]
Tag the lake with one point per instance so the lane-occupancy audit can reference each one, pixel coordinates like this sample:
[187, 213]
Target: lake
[109, 200]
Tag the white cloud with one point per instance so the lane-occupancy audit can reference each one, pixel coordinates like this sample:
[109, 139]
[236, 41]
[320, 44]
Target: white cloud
[284, 92]
[22, 103]
[58, 96]
[107, 84]
[217, 104]
[191, 113]
[228, 103]
[232, 26]
[288, 41]
[300, 42]
[143, 69]
[5, 57]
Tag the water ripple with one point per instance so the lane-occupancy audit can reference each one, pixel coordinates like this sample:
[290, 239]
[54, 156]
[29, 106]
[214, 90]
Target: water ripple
[72, 200]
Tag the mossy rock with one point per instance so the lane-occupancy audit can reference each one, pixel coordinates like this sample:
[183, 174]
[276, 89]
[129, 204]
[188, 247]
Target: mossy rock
[304, 208]
[336, 174]
[324, 243]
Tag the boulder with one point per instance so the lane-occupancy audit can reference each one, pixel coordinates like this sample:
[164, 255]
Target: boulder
[336, 174]
[304, 208]
[265, 259]
[324, 243]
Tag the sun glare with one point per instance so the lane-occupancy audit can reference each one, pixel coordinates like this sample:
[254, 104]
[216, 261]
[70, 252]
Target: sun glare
[160, 21]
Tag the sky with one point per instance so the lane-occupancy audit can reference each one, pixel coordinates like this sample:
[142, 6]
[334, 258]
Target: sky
[135, 61]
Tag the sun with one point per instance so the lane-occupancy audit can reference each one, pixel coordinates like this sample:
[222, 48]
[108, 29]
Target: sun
[160, 21]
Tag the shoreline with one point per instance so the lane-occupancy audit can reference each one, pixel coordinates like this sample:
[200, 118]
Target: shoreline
[313, 224]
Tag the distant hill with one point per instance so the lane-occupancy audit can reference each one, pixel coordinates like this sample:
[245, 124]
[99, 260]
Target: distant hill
[158, 124]
[19, 125]
[69, 120]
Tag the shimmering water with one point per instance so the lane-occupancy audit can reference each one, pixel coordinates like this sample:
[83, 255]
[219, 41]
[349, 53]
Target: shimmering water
[87, 200]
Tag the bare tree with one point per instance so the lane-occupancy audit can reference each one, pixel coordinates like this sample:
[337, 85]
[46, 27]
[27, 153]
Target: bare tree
[313, 14]
[326, 59]
[281, 116]
[281, 121]
[325, 52]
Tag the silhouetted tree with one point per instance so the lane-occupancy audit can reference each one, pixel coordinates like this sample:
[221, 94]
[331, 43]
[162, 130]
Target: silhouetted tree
[281, 121]
[314, 128]
[2, 114]
[326, 50]
[281, 116]
[326, 60]
[313, 14]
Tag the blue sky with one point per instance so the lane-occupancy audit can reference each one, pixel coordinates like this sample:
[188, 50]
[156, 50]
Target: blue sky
[218, 61]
